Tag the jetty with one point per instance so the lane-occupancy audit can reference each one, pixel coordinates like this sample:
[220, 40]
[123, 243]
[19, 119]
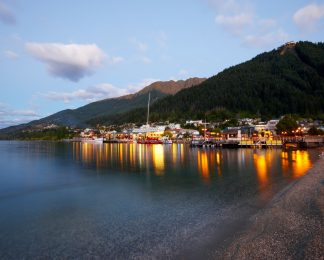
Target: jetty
[286, 143]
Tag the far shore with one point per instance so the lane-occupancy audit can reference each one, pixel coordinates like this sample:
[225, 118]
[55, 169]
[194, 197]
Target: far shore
[290, 227]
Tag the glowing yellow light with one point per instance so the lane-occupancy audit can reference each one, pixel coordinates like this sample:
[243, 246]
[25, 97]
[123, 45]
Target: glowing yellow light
[174, 152]
[261, 168]
[301, 163]
[181, 152]
[158, 158]
[131, 158]
[218, 161]
[203, 165]
[120, 146]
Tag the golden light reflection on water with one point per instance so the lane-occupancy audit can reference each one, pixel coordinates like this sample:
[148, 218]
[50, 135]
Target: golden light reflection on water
[86, 152]
[300, 163]
[203, 164]
[207, 163]
[158, 158]
[174, 153]
[121, 155]
[131, 154]
[284, 161]
[260, 162]
[218, 160]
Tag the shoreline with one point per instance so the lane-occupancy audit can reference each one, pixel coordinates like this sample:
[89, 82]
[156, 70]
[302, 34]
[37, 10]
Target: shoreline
[291, 226]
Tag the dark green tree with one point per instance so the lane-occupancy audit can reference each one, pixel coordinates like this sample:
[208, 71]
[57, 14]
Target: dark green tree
[287, 124]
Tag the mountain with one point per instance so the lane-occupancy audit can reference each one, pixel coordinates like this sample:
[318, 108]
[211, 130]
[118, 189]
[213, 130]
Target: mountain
[289, 79]
[111, 106]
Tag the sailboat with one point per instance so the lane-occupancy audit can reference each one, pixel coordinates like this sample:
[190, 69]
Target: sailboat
[149, 140]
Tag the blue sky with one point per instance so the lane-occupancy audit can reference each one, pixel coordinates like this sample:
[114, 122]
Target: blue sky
[63, 54]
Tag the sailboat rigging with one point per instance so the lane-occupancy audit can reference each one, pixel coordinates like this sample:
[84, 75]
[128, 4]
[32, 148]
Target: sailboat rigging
[148, 109]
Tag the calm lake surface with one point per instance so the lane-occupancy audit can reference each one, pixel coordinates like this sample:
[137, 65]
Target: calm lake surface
[79, 200]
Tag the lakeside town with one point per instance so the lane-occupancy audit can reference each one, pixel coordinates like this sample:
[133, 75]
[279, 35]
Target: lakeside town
[247, 132]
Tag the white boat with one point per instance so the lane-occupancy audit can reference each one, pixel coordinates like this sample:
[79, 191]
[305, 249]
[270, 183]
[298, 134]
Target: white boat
[92, 140]
[166, 140]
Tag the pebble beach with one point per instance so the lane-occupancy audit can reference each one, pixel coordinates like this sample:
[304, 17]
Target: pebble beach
[290, 227]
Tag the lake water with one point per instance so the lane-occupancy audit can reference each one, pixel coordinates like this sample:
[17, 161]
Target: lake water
[79, 200]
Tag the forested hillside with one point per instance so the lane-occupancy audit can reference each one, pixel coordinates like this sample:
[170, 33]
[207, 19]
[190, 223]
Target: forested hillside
[289, 79]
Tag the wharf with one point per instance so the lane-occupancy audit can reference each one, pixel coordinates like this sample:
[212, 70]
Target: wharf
[303, 142]
[237, 144]
[286, 143]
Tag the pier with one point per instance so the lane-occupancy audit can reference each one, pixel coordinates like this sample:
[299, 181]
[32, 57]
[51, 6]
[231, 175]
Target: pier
[286, 143]
[303, 142]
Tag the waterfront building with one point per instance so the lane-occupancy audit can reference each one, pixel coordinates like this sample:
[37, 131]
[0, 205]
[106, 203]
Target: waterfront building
[148, 131]
[194, 122]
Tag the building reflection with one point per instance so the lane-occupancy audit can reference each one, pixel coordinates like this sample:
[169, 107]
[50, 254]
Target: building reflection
[261, 163]
[158, 158]
[300, 163]
[284, 162]
[174, 153]
[207, 164]
[203, 164]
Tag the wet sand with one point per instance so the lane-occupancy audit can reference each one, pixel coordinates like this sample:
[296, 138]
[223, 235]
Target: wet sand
[290, 227]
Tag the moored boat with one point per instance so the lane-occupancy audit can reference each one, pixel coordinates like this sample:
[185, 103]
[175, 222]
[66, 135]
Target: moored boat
[150, 140]
[92, 139]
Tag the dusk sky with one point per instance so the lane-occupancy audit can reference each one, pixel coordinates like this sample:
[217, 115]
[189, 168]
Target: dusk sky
[58, 54]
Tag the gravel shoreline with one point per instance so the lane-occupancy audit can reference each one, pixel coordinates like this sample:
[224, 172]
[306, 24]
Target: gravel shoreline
[290, 227]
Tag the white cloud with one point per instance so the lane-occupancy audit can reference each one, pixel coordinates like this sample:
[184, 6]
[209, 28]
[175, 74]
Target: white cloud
[234, 23]
[307, 17]
[116, 59]
[9, 116]
[11, 55]
[260, 40]
[142, 47]
[6, 15]
[98, 92]
[240, 20]
[69, 61]
[162, 39]
[91, 94]
[225, 6]
[267, 24]
[183, 73]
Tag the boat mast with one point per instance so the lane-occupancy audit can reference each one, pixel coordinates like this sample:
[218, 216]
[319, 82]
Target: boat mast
[148, 109]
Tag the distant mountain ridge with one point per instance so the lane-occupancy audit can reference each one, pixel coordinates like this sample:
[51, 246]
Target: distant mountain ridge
[106, 107]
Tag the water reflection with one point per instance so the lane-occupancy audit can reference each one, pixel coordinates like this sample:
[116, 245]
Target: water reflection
[207, 164]
[262, 162]
[158, 158]
[203, 164]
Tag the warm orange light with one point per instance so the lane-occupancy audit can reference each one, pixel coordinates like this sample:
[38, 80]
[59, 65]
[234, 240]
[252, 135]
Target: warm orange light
[203, 166]
[301, 163]
[261, 168]
[218, 158]
[158, 158]
[174, 152]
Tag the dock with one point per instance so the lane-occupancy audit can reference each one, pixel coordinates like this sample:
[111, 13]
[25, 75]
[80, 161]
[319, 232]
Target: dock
[286, 143]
